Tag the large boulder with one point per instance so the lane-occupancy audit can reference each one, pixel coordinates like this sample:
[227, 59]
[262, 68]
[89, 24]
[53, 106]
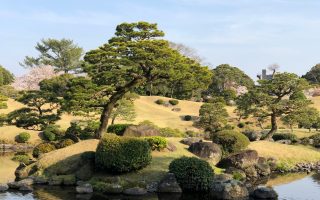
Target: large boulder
[229, 189]
[206, 150]
[84, 188]
[252, 135]
[169, 184]
[190, 140]
[3, 187]
[23, 171]
[264, 193]
[141, 131]
[240, 160]
[263, 167]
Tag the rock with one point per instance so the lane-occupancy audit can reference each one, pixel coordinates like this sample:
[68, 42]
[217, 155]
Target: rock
[169, 184]
[63, 180]
[252, 135]
[27, 181]
[284, 141]
[3, 187]
[272, 163]
[40, 180]
[190, 140]
[240, 160]
[141, 131]
[136, 191]
[113, 188]
[84, 189]
[222, 177]
[171, 147]
[26, 188]
[237, 174]
[56, 180]
[251, 173]
[230, 189]
[263, 167]
[24, 171]
[14, 185]
[264, 193]
[152, 187]
[206, 150]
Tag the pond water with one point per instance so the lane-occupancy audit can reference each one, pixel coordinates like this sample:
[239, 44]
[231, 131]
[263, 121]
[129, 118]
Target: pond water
[289, 187]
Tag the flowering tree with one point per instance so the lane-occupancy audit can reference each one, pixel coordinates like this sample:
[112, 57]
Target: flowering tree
[31, 80]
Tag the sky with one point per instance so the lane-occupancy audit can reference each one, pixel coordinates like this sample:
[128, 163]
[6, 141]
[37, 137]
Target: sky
[248, 34]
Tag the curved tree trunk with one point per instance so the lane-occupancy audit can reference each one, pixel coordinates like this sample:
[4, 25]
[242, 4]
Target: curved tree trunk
[274, 127]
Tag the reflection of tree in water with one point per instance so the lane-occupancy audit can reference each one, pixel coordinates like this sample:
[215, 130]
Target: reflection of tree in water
[316, 178]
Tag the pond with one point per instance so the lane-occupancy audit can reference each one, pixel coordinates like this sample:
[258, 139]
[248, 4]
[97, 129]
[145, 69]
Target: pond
[298, 186]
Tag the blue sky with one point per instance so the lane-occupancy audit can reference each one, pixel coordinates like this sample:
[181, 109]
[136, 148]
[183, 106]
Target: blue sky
[249, 34]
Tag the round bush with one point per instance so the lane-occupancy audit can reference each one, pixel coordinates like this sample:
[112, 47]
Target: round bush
[230, 141]
[173, 102]
[316, 140]
[192, 174]
[160, 102]
[64, 143]
[22, 158]
[122, 154]
[89, 131]
[52, 133]
[42, 148]
[188, 118]
[285, 136]
[118, 129]
[157, 143]
[23, 137]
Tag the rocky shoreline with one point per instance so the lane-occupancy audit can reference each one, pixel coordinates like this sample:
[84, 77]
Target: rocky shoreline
[7, 148]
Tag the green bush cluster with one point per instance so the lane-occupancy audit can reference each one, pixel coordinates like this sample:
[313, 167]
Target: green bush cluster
[23, 137]
[187, 117]
[22, 158]
[316, 140]
[52, 133]
[118, 129]
[160, 102]
[216, 99]
[82, 129]
[170, 132]
[230, 140]
[64, 143]
[43, 148]
[173, 102]
[285, 136]
[192, 174]
[122, 154]
[157, 143]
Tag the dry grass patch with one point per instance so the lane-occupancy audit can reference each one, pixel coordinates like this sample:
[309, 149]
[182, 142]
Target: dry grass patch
[291, 154]
[7, 168]
[9, 133]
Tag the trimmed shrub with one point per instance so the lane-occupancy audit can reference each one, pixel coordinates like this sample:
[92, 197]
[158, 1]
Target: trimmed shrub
[173, 102]
[52, 133]
[241, 125]
[89, 131]
[160, 102]
[42, 148]
[216, 99]
[117, 129]
[170, 132]
[157, 143]
[187, 118]
[230, 141]
[285, 136]
[192, 174]
[64, 143]
[23, 137]
[21, 157]
[122, 154]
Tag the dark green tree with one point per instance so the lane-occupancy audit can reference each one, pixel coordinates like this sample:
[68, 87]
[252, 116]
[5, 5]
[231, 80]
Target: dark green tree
[6, 77]
[62, 54]
[313, 76]
[270, 98]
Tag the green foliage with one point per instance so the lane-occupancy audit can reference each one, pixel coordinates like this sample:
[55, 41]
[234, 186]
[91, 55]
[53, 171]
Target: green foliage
[285, 136]
[313, 76]
[124, 110]
[22, 158]
[62, 54]
[113, 155]
[42, 148]
[230, 141]
[157, 143]
[3, 119]
[173, 102]
[23, 137]
[237, 176]
[229, 95]
[9, 91]
[316, 140]
[89, 131]
[148, 123]
[52, 133]
[118, 129]
[241, 125]
[299, 95]
[6, 77]
[160, 101]
[192, 174]
[187, 118]
[64, 143]
[170, 132]
[216, 99]
[213, 117]
[283, 167]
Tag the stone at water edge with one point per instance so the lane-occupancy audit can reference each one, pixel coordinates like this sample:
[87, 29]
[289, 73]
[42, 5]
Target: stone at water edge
[84, 188]
[136, 191]
[26, 188]
[169, 184]
[3, 187]
[113, 188]
[240, 160]
[188, 141]
[230, 189]
[206, 150]
[265, 193]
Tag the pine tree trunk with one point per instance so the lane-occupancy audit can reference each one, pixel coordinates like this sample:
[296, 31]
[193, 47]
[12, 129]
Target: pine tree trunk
[274, 127]
[113, 119]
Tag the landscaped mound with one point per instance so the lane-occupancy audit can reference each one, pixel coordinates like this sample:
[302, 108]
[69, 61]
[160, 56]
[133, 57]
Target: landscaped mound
[122, 154]
[230, 141]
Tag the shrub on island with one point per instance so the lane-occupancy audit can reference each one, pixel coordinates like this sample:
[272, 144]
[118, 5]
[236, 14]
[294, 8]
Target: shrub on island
[231, 141]
[122, 154]
[173, 102]
[192, 174]
[42, 148]
[23, 137]
[157, 143]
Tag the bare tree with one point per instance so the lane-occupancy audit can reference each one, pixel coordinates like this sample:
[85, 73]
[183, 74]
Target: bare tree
[274, 68]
